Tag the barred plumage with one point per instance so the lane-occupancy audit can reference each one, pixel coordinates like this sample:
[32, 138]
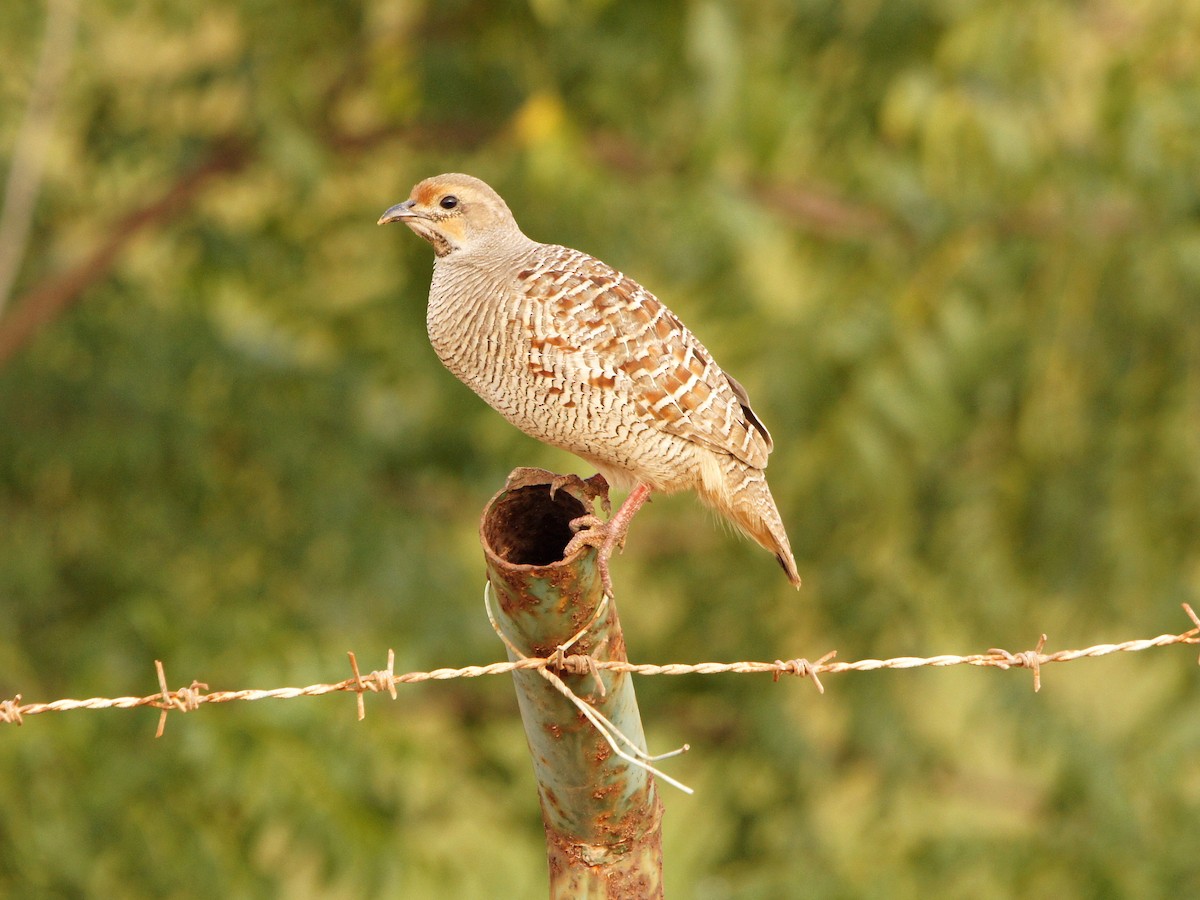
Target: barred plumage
[580, 356]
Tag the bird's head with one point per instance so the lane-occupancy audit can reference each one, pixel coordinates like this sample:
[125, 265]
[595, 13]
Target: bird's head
[456, 214]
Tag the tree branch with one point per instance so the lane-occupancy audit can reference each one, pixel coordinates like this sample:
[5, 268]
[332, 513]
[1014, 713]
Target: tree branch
[50, 299]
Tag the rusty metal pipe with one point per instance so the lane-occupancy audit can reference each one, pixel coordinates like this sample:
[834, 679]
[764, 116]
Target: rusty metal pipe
[602, 814]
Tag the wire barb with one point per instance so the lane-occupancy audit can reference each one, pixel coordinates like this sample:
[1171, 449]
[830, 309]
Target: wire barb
[10, 711]
[185, 699]
[1195, 621]
[387, 678]
[359, 686]
[1027, 659]
[802, 668]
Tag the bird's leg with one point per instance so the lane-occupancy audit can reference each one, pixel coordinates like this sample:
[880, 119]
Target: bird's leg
[592, 531]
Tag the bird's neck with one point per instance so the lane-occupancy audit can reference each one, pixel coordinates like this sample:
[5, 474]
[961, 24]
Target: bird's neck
[488, 263]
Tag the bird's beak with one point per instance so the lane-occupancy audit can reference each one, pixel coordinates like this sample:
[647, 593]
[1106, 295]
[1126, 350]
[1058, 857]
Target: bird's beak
[399, 211]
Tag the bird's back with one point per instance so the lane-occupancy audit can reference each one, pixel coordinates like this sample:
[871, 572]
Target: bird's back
[581, 356]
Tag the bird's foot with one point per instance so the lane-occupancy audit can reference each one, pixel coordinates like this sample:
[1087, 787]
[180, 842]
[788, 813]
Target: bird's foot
[592, 531]
[593, 489]
[606, 536]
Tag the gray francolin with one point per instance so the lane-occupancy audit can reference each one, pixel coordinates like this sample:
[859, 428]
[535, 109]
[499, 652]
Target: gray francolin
[582, 357]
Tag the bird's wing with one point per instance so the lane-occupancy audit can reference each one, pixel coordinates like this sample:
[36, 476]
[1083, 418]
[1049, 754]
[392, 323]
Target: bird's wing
[593, 326]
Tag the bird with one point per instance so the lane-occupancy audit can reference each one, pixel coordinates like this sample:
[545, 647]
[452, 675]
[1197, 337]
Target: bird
[580, 356]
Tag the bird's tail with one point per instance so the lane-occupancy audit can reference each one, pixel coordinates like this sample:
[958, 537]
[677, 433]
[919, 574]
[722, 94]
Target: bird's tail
[744, 498]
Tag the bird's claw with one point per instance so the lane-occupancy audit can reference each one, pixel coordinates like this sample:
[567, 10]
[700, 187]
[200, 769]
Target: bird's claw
[587, 523]
[588, 531]
[593, 489]
[597, 489]
[592, 531]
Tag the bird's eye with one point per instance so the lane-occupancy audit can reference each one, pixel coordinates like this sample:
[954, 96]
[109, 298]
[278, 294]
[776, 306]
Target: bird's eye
[448, 202]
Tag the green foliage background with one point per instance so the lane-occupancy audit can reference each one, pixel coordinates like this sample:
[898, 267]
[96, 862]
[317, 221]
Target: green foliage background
[952, 249]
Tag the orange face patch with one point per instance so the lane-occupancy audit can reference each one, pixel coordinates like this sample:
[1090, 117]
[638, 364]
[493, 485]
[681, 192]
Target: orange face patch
[428, 193]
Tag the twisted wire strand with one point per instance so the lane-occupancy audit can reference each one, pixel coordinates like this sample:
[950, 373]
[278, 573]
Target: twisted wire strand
[197, 694]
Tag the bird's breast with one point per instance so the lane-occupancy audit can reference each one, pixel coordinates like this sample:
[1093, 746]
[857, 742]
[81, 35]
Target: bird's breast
[546, 374]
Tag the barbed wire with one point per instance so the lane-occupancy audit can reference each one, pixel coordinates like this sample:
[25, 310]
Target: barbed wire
[197, 694]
